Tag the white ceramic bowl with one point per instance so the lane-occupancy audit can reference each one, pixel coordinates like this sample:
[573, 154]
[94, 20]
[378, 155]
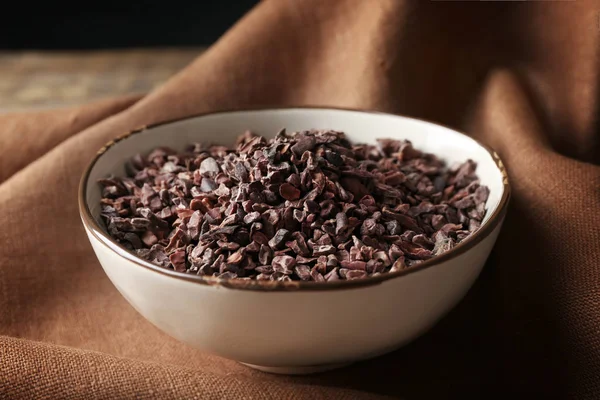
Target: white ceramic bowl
[296, 327]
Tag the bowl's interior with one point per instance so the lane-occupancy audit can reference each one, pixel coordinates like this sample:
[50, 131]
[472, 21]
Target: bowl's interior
[360, 127]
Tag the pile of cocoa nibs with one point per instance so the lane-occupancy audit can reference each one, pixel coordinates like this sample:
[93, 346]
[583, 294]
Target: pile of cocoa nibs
[306, 206]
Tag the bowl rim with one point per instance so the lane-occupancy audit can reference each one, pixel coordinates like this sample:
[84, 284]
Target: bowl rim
[99, 233]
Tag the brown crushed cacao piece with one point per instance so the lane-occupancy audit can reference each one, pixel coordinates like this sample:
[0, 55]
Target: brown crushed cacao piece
[289, 192]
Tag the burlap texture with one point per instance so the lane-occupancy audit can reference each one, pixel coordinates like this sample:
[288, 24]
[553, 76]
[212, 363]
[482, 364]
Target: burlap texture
[523, 78]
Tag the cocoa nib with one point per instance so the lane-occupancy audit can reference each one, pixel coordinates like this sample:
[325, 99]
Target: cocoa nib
[304, 206]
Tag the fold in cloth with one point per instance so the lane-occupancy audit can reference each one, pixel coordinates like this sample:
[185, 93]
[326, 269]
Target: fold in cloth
[522, 78]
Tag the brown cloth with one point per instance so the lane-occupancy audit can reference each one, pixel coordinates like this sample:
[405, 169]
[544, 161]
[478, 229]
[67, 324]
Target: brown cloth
[522, 77]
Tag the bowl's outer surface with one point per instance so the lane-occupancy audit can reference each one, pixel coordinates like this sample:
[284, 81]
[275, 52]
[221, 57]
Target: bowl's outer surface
[298, 327]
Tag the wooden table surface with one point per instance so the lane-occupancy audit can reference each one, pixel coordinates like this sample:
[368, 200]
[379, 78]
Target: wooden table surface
[34, 79]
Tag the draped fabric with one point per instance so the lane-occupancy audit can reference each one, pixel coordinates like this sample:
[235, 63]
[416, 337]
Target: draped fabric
[520, 76]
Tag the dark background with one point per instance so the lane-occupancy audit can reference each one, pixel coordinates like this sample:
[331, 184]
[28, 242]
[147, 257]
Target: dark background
[70, 25]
